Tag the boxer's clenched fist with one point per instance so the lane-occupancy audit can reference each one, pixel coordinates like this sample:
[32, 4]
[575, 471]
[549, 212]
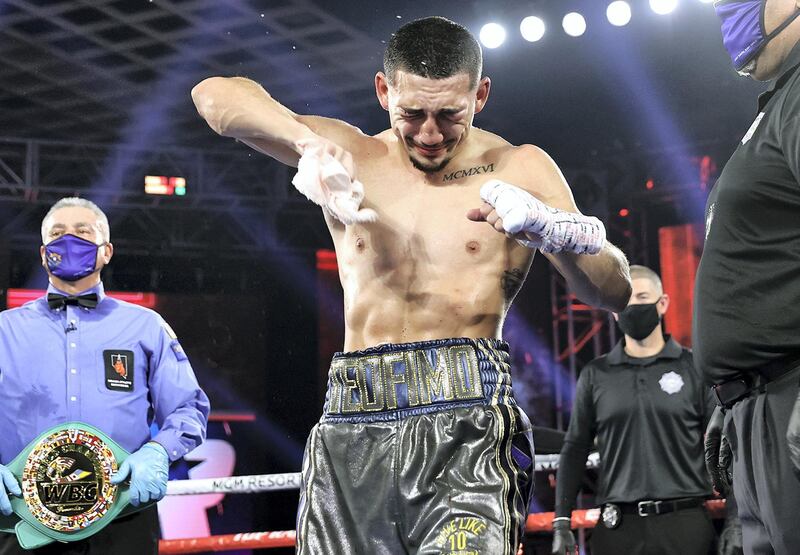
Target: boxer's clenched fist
[534, 224]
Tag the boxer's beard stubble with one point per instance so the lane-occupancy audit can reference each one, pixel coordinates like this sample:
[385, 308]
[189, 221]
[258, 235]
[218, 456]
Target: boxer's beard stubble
[428, 169]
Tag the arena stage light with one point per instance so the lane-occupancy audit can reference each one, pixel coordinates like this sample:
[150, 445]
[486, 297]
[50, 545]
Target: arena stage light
[532, 28]
[574, 24]
[663, 7]
[618, 13]
[492, 35]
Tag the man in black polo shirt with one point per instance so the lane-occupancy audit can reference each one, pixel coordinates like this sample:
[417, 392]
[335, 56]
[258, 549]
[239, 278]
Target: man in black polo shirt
[747, 296]
[648, 407]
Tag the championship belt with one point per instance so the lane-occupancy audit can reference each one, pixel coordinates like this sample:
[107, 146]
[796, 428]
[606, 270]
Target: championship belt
[67, 494]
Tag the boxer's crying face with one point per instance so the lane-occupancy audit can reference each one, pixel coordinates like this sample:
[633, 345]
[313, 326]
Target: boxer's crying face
[431, 117]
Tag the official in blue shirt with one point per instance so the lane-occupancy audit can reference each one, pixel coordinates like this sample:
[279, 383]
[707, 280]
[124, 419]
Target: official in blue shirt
[77, 354]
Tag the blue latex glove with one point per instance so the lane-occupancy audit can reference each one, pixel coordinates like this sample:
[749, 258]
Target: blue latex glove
[8, 483]
[149, 471]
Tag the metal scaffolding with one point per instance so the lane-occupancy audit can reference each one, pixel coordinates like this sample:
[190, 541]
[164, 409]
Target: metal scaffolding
[96, 70]
[580, 334]
[238, 203]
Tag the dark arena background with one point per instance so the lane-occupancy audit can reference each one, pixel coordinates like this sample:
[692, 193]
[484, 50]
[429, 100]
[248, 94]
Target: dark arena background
[94, 102]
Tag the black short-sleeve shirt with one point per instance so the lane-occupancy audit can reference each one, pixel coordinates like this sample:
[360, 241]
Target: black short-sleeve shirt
[649, 416]
[747, 290]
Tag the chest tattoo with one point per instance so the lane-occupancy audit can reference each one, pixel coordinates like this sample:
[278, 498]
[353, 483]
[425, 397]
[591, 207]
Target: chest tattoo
[477, 170]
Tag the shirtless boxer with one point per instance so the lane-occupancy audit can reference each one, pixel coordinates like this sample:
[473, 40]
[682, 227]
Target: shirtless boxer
[421, 447]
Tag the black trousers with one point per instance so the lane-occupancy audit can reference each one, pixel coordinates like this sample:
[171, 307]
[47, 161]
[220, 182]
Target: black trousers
[136, 534]
[684, 532]
[766, 489]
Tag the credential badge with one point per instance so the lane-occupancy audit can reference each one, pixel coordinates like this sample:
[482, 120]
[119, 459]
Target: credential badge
[671, 382]
[611, 516]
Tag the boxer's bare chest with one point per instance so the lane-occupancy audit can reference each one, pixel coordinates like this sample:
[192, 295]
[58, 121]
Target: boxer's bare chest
[421, 220]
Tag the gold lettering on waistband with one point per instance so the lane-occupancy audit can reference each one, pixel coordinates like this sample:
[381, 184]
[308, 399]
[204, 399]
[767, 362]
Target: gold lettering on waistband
[349, 385]
[336, 384]
[433, 372]
[374, 366]
[465, 373]
[399, 371]
[377, 382]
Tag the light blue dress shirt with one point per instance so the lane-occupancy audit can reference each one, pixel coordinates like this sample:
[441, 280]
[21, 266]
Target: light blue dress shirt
[118, 367]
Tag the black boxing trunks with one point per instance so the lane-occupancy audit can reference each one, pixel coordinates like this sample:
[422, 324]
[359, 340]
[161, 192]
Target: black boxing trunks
[421, 449]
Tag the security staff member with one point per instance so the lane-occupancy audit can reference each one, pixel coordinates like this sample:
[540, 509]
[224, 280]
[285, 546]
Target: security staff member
[78, 355]
[648, 407]
[747, 296]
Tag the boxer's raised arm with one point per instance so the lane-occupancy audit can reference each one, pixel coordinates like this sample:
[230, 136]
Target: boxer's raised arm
[240, 108]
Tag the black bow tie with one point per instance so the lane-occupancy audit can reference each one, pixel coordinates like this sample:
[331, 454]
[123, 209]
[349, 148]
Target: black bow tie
[54, 300]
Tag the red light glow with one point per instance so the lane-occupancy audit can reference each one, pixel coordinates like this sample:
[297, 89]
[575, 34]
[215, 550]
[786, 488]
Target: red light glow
[18, 297]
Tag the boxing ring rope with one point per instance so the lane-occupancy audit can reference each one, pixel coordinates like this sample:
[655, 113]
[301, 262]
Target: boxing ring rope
[230, 542]
[538, 522]
[259, 483]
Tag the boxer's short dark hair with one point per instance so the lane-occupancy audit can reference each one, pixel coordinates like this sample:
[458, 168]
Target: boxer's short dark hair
[433, 47]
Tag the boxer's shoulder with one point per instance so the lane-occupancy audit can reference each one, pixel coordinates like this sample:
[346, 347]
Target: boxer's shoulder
[506, 154]
[488, 143]
[531, 168]
[347, 136]
[529, 154]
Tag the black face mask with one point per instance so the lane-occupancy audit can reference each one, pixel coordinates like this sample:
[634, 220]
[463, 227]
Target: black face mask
[639, 320]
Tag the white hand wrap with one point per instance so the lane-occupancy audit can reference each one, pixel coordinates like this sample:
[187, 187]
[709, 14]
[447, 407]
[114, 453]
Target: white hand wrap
[325, 181]
[558, 231]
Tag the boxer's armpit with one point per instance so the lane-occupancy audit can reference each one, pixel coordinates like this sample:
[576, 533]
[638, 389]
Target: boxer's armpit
[511, 282]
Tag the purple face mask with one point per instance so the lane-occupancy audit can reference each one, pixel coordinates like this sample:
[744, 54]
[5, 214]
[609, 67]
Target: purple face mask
[743, 31]
[71, 258]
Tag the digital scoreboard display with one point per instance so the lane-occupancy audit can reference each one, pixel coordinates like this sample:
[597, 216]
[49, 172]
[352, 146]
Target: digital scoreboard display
[163, 185]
